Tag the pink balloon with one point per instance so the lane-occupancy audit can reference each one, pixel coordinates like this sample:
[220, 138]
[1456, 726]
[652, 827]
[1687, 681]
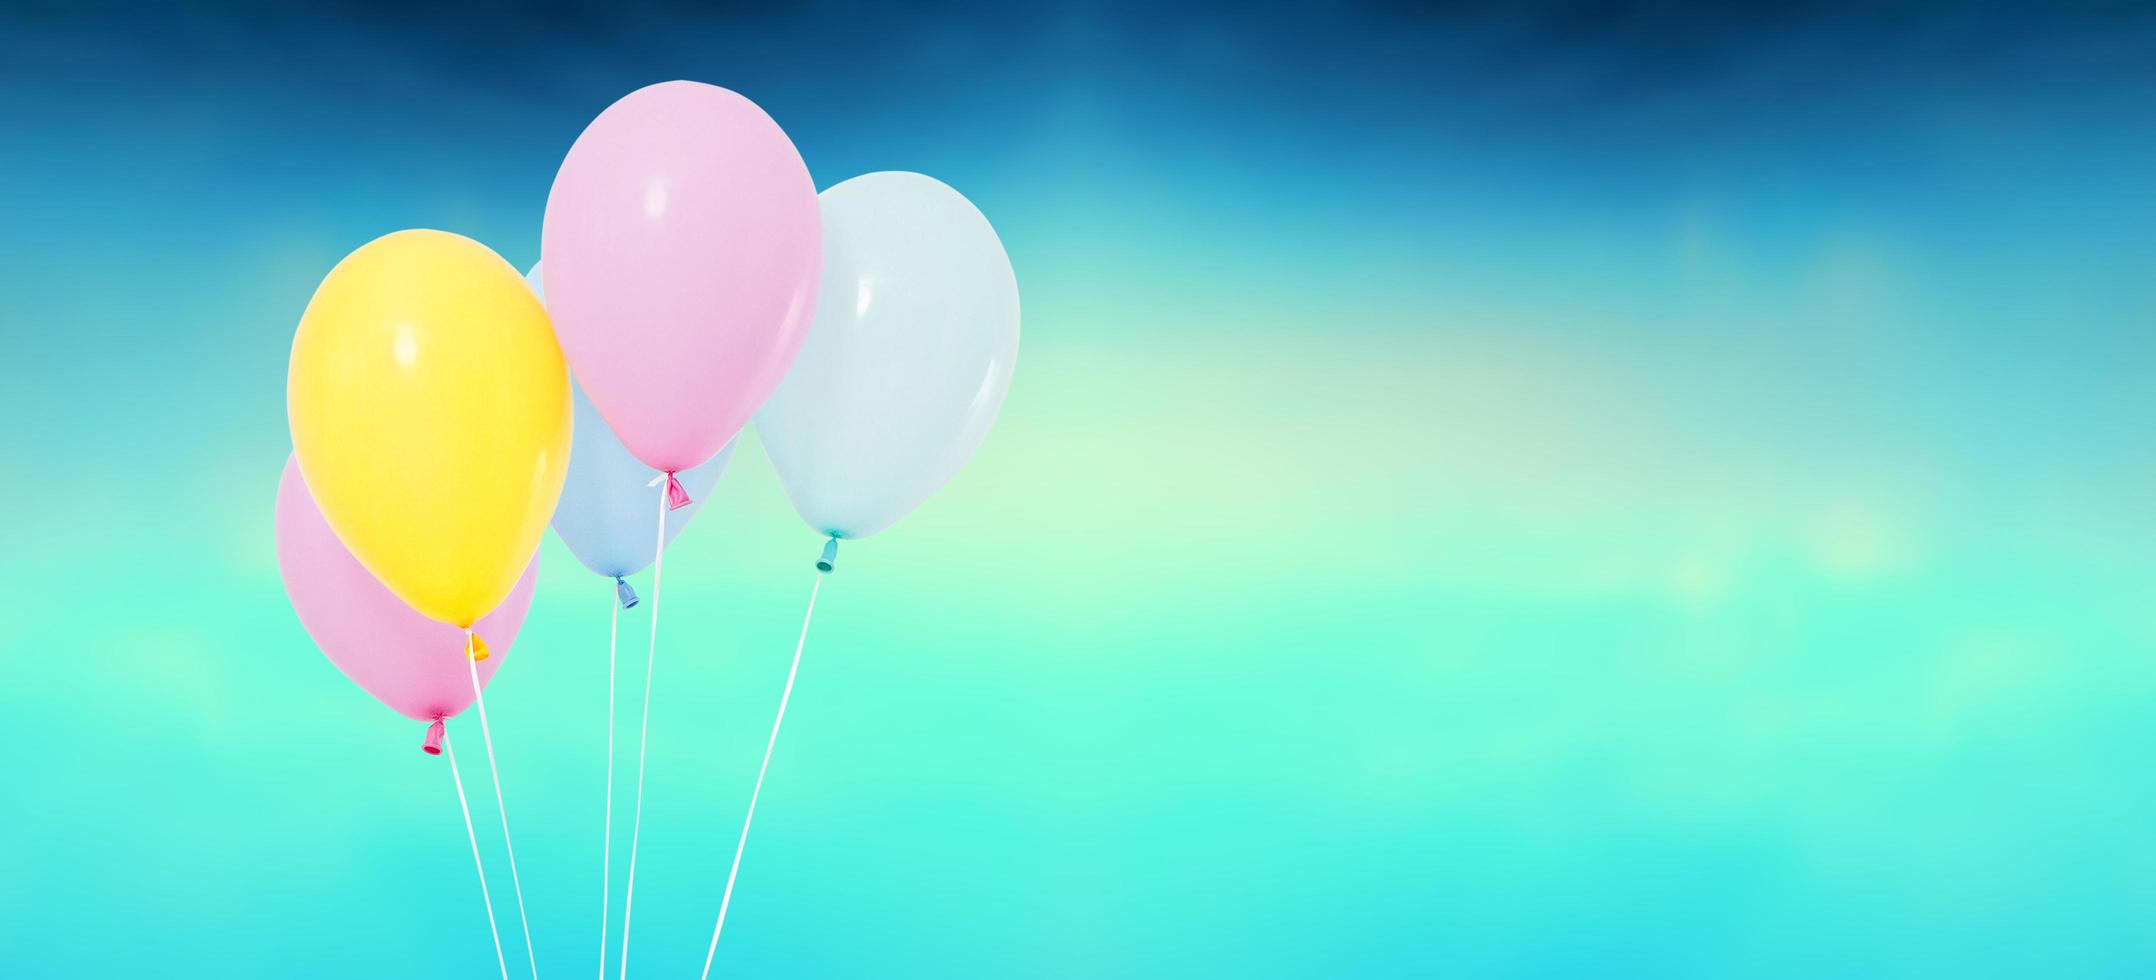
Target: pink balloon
[413, 664]
[682, 248]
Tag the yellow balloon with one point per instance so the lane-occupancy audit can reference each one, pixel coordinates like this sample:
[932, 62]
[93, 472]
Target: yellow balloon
[430, 413]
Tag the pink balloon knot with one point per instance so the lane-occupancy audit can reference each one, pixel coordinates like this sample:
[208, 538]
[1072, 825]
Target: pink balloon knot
[433, 744]
[676, 497]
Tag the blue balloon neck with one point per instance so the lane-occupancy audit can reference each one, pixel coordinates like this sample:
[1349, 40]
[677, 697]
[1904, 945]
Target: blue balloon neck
[830, 555]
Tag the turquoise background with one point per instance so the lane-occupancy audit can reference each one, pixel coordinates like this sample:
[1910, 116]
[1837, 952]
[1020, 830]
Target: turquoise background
[1535, 490]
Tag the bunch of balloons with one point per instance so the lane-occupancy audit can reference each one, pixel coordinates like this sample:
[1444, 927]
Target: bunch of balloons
[445, 410]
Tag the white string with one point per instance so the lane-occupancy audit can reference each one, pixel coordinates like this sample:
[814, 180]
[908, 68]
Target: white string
[636, 825]
[501, 806]
[727, 898]
[606, 855]
[451, 751]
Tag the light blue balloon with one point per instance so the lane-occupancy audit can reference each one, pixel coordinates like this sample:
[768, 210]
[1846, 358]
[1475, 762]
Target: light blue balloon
[609, 511]
[905, 367]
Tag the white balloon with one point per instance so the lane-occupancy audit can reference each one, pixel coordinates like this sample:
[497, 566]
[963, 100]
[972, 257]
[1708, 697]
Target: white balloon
[907, 361]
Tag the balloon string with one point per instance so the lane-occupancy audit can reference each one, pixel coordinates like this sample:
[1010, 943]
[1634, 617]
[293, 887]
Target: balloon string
[726, 898]
[643, 739]
[606, 854]
[502, 806]
[476, 863]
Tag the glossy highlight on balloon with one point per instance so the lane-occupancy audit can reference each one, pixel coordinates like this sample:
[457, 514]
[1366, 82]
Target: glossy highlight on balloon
[430, 413]
[682, 250]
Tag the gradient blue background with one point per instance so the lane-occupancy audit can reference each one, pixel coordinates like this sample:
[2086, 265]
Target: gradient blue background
[1537, 489]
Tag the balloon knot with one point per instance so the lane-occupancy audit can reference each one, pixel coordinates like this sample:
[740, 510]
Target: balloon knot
[433, 745]
[474, 647]
[676, 496]
[624, 592]
[830, 555]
